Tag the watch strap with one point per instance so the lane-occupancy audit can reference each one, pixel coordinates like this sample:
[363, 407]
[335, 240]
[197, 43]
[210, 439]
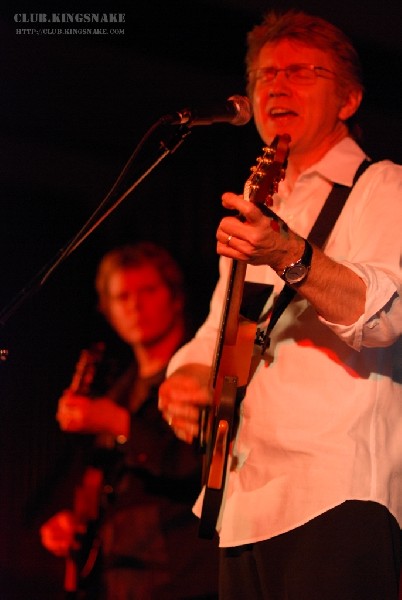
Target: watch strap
[304, 260]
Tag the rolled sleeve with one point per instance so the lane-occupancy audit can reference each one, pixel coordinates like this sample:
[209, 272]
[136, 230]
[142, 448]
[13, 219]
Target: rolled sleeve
[381, 323]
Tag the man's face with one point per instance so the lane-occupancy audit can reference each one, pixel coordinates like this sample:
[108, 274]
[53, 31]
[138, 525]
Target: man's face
[141, 308]
[311, 113]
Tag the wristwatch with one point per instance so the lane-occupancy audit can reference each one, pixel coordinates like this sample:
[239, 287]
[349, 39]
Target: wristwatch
[298, 271]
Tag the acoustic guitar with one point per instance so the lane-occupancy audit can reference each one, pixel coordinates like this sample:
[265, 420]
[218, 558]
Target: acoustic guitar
[87, 495]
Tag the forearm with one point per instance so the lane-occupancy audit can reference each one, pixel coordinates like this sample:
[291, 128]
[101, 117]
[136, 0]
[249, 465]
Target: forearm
[335, 291]
[80, 414]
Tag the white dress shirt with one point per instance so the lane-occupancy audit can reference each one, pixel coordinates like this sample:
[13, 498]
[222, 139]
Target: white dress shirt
[321, 421]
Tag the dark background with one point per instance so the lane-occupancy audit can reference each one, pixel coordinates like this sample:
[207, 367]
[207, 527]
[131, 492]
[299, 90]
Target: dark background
[73, 108]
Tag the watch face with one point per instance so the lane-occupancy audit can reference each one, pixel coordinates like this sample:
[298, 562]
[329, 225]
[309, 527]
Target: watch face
[296, 273]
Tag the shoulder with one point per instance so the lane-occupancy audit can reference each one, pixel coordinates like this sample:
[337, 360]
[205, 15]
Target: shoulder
[382, 178]
[384, 170]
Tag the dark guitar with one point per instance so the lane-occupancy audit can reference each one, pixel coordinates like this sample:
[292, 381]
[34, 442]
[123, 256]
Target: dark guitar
[237, 345]
[87, 495]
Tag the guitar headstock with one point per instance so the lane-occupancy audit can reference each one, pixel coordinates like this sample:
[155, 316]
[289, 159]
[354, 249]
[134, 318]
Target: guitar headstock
[86, 368]
[268, 172]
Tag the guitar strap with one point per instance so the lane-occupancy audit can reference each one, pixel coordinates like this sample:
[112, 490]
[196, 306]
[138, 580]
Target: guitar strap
[318, 236]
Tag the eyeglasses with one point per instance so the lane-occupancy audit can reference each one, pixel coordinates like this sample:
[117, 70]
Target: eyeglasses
[303, 74]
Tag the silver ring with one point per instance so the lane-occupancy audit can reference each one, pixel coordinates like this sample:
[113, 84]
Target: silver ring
[228, 240]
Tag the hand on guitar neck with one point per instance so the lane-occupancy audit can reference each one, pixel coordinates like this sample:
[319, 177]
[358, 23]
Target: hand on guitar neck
[77, 413]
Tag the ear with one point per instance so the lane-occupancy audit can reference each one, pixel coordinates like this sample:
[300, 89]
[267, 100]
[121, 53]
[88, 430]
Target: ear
[350, 104]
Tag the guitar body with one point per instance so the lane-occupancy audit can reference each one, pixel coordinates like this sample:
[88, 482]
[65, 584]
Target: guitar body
[237, 346]
[230, 389]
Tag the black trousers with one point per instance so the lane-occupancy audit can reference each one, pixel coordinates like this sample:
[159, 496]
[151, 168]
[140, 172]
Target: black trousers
[351, 552]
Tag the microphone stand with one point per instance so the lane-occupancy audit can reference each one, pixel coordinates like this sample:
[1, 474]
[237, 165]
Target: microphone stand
[107, 205]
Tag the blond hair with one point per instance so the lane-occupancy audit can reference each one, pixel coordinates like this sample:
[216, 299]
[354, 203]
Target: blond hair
[137, 255]
[311, 31]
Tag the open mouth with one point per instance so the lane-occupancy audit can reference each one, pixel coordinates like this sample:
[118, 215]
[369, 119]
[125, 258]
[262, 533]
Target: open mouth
[280, 113]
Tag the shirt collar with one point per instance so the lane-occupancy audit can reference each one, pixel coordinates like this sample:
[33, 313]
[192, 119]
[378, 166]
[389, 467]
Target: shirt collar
[340, 163]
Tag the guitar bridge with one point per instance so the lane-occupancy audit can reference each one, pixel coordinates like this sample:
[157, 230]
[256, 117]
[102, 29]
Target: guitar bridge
[222, 435]
[215, 479]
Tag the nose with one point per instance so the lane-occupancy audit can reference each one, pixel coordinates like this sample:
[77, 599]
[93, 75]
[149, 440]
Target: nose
[279, 85]
[133, 301]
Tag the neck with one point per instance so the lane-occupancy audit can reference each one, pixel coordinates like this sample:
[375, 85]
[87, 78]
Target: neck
[300, 161]
[154, 357]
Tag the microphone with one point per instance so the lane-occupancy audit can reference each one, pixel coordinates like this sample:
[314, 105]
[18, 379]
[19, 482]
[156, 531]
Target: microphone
[236, 110]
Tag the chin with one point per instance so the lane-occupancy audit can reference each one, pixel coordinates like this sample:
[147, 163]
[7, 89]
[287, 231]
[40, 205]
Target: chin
[268, 134]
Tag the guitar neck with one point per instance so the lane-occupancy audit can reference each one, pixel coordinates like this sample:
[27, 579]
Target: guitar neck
[230, 313]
